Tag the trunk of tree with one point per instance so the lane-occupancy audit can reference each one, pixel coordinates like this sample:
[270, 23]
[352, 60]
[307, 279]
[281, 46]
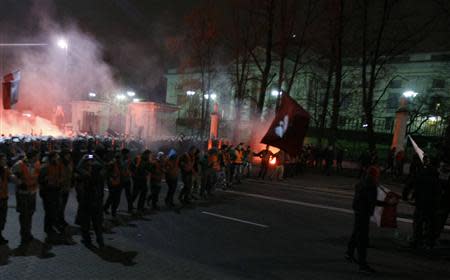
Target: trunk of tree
[338, 76]
[268, 60]
[323, 116]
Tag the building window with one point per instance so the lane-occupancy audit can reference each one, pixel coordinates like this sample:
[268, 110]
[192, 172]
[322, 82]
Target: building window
[389, 123]
[438, 83]
[395, 84]
[346, 102]
[392, 101]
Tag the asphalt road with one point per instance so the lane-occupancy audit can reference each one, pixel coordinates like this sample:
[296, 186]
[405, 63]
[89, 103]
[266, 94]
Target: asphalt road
[295, 229]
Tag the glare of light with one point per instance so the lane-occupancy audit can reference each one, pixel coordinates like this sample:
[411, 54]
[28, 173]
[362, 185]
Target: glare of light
[206, 96]
[213, 96]
[135, 100]
[62, 43]
[92, 94]
[273, 161]
[410, 94]
[434, 118]
[27, 115]
[275, 92]
[294, 35]
[131, 93]
[190, 92]
[365, 125]
[121, 96]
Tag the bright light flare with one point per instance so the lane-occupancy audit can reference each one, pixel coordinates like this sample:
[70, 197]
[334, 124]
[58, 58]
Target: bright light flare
[136, 100]
[92, 94]
[275, 93]
[410, 94]
[190, 92]
[121, 97]
[131, 93]
[62, 43]
[213, 96]
[434, 118]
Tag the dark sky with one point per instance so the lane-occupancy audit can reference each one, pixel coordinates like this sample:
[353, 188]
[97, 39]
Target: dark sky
[132, 32]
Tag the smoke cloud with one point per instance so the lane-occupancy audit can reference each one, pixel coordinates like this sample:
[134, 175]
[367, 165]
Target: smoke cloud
[56, 73]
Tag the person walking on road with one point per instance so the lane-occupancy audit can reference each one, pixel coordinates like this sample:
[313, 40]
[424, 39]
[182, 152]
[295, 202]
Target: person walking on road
[364, 202]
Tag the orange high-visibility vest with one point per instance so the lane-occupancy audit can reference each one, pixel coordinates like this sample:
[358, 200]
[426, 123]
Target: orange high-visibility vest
[115, 178]
[30, 180]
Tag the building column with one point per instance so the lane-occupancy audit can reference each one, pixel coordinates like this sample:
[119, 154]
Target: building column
[401, 121]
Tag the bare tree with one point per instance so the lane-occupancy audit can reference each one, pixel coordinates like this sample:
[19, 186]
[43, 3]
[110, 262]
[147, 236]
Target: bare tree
[384, 37]
[202, 40]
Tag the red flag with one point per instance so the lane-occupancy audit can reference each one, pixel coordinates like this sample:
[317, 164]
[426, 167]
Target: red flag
[11, 89]
[288, 129]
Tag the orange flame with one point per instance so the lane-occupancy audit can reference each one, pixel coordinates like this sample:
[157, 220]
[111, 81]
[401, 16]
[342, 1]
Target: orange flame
[273, 161]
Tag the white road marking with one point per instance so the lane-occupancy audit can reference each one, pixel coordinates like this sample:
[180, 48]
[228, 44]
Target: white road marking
[313, 205]
[235, 219]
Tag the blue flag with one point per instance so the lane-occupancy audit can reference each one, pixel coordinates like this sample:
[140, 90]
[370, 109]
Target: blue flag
[11, 89]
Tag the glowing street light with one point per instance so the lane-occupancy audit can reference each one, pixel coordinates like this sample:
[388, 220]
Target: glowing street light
[62, 43]
[92, 94]
[410, 94]
[190, 92]
[121, 97]
[275, 93]
[131, 93]
[213, 96]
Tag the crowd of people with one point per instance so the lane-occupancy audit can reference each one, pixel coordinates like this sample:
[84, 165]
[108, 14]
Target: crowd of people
[51, 168]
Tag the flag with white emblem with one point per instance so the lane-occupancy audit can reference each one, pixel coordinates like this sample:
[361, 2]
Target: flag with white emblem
[288, 129]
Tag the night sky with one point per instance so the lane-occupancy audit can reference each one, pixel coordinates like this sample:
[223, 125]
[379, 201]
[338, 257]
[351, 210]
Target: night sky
[133, 32]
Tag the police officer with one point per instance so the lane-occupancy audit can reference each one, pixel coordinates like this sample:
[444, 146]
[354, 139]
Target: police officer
[90, 192]
[50, 192]
[27, 174]
[4, 176]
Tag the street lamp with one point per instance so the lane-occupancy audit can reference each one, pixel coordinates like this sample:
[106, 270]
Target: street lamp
[275, 93]
[121, 97]
[409, 94]
[190, 92]
[62, 43]
[131, 93]
[92, 94]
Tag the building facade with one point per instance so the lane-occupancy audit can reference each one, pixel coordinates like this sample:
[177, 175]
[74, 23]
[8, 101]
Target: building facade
[425, 74]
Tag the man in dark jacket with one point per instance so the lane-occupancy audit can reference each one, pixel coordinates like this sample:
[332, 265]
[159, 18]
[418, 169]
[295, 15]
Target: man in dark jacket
[90, 192]
[427, 193]
[364, 203]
